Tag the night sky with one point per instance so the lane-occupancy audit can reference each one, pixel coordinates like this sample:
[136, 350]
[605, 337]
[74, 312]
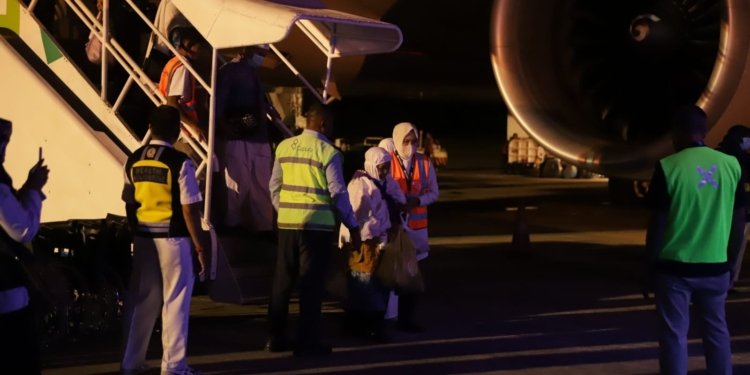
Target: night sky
[440, 79]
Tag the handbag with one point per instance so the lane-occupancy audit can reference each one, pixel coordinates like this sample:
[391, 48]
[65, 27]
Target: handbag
[398, 267]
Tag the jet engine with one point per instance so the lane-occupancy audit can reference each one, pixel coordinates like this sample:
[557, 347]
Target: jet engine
[594, 82]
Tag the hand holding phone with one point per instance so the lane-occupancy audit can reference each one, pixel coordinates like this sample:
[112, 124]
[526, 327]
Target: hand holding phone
[38, 174]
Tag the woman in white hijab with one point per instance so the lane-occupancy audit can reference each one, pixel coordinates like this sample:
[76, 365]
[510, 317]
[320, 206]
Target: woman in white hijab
[366, 300]
[388, 145]
[416, 178]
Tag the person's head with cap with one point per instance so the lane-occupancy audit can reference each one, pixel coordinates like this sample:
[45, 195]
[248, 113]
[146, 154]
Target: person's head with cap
[189, 42]
[737, 140]
[6, 129]
[406, 139]
[689, 126]
[164, 123]
[377, 163]
[387, 144]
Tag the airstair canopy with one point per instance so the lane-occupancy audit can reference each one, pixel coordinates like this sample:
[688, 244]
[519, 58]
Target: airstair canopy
[237, 23]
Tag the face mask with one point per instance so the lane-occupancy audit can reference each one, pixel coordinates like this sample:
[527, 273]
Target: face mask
[408, 151]
[256, 61]
[745, 145]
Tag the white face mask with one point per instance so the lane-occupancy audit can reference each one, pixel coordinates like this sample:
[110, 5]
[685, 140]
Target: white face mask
[408, 151]
[745, 144]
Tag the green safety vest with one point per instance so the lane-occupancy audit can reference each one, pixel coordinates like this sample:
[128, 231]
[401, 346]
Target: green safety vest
[304, 199]
[701, 183]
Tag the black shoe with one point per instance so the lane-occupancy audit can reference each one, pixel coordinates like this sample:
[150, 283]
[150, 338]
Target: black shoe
[380, 335]
[409, 327]
[317, 350]
[377, 328]
[275, 345]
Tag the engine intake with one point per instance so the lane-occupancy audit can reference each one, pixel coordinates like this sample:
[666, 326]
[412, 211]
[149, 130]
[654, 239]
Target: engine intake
[595, 82]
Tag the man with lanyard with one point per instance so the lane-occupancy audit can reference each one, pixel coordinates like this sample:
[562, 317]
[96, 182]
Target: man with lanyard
[416, 176]
[307, 187]
[696, 226]
[20, 213]
[245, 151]
[162, 202]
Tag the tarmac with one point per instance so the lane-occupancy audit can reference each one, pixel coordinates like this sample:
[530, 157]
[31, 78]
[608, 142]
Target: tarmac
[568, 303]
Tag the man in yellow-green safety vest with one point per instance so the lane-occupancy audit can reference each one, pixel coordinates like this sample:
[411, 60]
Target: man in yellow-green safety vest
[308, 191]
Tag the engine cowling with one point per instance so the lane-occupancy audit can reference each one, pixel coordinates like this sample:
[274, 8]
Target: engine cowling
[594, 82]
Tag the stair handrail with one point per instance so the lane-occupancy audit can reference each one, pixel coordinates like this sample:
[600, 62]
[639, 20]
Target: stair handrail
[135, 73]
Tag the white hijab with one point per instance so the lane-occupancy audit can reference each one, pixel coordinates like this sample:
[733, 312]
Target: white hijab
[374, 157]
[400, 131]
[387, 144]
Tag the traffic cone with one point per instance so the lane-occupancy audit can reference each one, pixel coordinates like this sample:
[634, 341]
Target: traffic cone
[521, 240]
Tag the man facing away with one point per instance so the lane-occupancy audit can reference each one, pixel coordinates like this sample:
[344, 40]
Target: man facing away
[307, 187]
[162, 201]
[697, 202]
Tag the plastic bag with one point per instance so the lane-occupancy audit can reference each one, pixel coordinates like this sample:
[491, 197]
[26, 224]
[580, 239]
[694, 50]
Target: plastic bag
[398, 267]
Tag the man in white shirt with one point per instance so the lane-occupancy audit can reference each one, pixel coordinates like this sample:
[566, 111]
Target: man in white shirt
[20, 213]
[162, 201]
[177, 84]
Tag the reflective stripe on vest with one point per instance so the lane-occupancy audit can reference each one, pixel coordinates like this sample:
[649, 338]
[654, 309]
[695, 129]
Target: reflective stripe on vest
[304, 199]
[187, 105]
[419, 171]
[154, 172]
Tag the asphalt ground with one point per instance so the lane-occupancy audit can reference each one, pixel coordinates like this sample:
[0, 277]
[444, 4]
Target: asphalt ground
[568, 303]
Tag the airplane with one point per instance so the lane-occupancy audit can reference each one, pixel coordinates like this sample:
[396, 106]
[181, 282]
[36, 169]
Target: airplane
[591, 81]
[594, 82]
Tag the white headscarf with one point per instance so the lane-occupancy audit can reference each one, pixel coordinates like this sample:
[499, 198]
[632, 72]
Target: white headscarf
[387, 144]
[400, 131]
[374, 157]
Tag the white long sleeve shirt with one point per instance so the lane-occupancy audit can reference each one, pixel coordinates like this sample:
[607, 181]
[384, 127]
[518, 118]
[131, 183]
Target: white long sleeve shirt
[20, 215]
[19, 218]
[370, 211]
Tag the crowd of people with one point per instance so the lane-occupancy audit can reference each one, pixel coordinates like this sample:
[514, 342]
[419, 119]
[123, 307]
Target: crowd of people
[310, 196]
[695, 238]
[299, 193]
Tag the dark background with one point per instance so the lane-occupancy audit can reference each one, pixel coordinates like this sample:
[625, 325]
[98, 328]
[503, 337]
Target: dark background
[440, 79]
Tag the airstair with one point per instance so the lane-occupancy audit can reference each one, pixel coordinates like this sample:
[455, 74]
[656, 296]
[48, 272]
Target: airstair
[85, 140]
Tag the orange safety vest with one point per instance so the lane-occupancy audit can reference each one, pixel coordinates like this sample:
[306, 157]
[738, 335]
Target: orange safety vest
[187, 105]
[413, 186]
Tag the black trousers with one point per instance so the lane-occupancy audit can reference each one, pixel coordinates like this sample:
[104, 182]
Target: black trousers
[302, 256]
[19, 343]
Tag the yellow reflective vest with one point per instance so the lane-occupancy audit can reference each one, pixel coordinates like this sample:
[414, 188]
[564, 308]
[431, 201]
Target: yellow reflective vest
[154, 172]
[304, 200]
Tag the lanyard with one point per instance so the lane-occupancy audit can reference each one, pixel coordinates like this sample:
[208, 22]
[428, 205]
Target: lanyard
[410, 175]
